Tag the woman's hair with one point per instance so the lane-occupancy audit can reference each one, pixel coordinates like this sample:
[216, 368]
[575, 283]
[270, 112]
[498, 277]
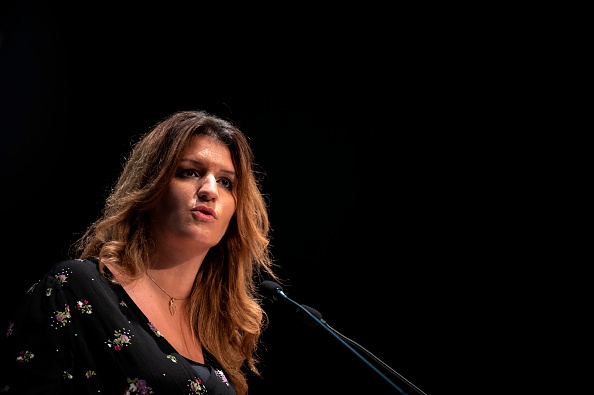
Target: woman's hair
[224, 304]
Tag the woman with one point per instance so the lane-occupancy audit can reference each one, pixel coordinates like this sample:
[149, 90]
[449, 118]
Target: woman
[162, 296]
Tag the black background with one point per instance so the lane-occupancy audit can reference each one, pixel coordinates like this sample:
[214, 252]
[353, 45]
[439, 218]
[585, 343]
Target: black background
[360, 119]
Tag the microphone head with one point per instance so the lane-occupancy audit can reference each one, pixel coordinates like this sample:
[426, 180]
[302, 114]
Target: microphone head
[270, 288]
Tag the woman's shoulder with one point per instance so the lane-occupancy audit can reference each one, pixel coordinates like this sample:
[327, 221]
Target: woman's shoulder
[80, 266]
[79, 269]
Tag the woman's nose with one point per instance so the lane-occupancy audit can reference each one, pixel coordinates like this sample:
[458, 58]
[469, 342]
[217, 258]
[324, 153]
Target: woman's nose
[208, 188]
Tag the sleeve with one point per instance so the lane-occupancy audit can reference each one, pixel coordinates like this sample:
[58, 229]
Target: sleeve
[39, 340]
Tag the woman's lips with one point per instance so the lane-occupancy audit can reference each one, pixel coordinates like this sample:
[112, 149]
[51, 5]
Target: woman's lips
[204, 213]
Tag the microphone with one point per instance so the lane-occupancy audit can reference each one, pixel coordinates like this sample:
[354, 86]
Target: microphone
[313, 318]
[271, 289]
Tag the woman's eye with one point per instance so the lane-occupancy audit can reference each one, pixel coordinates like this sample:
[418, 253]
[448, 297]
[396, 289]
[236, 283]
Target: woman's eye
[226, 183]
[189, 173]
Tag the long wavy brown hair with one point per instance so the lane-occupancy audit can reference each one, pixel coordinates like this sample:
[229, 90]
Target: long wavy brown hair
[226, 313]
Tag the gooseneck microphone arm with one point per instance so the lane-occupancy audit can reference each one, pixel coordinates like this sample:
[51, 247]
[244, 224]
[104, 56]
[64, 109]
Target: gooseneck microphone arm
[274, 290]
[318, 315]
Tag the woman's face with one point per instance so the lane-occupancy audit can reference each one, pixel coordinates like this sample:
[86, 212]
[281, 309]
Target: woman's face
[199, 202]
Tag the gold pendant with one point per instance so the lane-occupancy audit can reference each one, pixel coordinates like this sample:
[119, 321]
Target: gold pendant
[172, 306]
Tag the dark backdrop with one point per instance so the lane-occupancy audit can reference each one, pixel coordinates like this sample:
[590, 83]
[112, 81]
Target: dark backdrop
[354, 116]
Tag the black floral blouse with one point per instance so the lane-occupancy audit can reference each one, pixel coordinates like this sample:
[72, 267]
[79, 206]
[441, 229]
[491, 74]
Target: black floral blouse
[77, 332]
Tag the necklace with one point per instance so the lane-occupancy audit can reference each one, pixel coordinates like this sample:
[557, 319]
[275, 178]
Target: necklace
[172, 306]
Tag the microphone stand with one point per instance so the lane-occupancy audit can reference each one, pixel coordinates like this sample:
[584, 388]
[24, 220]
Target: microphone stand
[354, 343]
[331, 332]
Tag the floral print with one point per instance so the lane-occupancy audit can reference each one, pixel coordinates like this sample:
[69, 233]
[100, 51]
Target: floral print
[172, 358]
[155, 330]
[30, 290]
[138, 387]
[120, 340]
[196, 387]
[62, 277]
[84, 307]
[221, 375]
[62, 317]
[82, 313]
[25, 356]
[9, 331]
